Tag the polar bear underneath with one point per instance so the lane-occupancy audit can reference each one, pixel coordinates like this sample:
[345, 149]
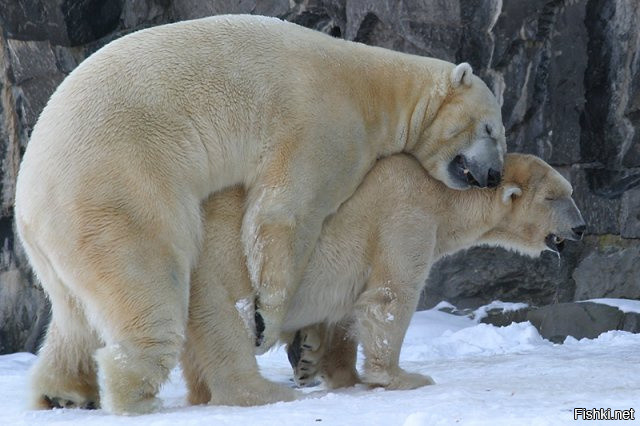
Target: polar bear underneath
[365, 275]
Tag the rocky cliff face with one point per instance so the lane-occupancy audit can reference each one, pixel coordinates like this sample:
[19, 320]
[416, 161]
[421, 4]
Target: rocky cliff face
[566, 72]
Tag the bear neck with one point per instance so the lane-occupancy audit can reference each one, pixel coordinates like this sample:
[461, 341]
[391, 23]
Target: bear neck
[397, 100]
[471, 214]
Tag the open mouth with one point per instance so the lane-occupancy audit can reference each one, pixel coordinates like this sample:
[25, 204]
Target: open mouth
[554, 242]
[460, 170]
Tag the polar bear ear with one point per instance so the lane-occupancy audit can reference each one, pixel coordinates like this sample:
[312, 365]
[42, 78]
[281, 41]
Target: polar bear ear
[461, 74]
[509, 192]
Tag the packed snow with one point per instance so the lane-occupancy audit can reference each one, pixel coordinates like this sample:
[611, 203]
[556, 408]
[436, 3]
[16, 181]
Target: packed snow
[483, 311]
[625, 305]
[484, 375]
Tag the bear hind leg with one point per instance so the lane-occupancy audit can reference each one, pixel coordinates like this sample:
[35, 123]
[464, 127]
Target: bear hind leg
[137, 297]
[144, 336]
[64, 375]
[218, 363]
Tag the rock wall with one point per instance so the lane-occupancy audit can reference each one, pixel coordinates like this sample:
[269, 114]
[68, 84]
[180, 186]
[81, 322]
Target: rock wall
[565, 71]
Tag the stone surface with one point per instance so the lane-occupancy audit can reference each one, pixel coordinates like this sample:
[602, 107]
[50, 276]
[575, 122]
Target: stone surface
[611, 116]
[631, 322]
[501, 318]
[600, 207]
[479, 276]
[630, 214]
[66, 22]
[580, 320]
[565, 71]
[608, 271]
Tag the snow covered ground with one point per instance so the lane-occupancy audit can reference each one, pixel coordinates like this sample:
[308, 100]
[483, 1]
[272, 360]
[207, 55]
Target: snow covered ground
[485, 375]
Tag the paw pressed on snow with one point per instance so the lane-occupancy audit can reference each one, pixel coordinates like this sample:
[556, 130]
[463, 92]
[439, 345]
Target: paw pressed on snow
[397, 380]
[305, 354]
[268, 324]
[58, 402]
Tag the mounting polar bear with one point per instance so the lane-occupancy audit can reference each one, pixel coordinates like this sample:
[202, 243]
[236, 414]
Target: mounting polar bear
[109, 193]
[365, 275]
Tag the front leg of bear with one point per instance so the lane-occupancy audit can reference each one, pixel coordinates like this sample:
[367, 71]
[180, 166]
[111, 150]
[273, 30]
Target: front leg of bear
[382, 318]
[277, 253]
[284, 213]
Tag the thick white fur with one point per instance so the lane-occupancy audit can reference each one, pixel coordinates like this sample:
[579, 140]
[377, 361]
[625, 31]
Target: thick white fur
[109, 193]
[365, 275]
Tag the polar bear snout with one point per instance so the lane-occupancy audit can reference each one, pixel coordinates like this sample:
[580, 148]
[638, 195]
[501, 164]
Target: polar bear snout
[569, 222]
[556, 241]
[470, 172]
[493, 178]
[484, 161]
[578, 232]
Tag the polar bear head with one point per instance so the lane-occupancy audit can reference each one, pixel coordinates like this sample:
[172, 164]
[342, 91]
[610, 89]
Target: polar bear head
[463, 141]
[539, 213]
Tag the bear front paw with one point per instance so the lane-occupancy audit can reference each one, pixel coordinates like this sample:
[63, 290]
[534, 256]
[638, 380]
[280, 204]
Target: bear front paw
[268, 324]
[397, 379]
[59, 402]
[304, 356]
[259, 322]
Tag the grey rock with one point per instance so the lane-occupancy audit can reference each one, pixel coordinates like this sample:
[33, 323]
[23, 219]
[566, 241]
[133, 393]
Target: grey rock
[600, 208]
[24, 313]
[501, 318]
[579, 320]
[427, 27]
[24, 309]
[630, 214]
[480, 275]
[540, 52]
[30, 60]
[145, 13]
[326, 16]
[609, 270]
[33, 20]
[631, 322]
[66, 22]
[611, 116]
[193, 9]
[33, 69]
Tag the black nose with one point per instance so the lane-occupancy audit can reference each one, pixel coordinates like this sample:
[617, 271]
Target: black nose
[579, 230]
[493, 179]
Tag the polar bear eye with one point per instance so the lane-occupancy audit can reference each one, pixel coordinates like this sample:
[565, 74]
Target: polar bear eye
[488, 129]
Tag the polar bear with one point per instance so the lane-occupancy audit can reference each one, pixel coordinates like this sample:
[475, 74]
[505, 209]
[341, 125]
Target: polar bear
[365, 275]
[109, 192]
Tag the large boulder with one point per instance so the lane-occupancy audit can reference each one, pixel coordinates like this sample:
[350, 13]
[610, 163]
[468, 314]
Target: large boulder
[578, 319]
[609, 271]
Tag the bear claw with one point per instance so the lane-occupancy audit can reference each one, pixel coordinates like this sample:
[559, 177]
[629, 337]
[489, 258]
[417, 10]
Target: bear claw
[259, 328]
[294, 351]
[57, 402]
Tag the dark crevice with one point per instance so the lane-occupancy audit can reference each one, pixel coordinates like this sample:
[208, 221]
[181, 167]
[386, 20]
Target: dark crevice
[540, 47]
[317, 19]
[367, 26]
[593, 120]
[89, 20]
